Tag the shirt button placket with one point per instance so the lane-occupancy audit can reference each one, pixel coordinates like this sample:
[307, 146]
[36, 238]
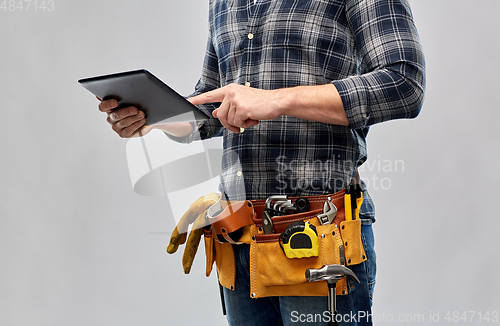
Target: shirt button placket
[250, 37]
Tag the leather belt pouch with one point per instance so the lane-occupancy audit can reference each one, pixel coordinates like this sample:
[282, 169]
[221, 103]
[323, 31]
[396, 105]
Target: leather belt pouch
[226, 221]
[223, 256]
[273, 274]
[353, 245]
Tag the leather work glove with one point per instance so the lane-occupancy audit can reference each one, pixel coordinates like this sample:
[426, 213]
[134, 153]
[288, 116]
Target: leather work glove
[196, 214]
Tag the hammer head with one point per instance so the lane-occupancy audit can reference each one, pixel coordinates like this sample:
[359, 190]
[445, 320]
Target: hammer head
[330, 273]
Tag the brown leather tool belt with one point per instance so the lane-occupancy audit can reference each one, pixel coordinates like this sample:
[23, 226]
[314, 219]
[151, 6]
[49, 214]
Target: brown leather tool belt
[228, 220]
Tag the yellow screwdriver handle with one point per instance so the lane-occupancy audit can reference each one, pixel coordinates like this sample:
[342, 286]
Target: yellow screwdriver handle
[347, 207]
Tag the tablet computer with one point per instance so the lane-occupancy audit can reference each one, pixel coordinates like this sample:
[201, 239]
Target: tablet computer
[142, 89]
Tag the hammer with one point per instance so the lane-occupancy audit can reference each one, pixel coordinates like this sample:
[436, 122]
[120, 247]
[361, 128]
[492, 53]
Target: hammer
[331, 274]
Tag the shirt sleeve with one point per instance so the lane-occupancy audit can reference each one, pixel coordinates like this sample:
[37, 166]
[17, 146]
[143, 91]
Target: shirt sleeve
[391, 80]
[209, 81]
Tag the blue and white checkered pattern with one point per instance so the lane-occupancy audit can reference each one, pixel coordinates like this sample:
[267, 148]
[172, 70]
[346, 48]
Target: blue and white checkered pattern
[369, 49]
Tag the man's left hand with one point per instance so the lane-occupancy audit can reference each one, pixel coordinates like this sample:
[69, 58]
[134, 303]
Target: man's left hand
[241, 106]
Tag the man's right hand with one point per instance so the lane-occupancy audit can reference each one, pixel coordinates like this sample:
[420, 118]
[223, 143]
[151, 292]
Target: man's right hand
[130, 121]
[126, 122]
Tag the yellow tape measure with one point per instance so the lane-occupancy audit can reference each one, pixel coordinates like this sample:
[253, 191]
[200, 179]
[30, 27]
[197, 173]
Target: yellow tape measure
[299, 240]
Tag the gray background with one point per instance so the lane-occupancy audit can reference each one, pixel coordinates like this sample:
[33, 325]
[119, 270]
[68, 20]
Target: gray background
[79, 247]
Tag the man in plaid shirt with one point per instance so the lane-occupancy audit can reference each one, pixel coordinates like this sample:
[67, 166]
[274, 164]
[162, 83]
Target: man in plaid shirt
[294, 85]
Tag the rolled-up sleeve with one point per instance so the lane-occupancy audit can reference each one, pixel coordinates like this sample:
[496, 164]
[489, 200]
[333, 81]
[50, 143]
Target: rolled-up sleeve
[391, 80]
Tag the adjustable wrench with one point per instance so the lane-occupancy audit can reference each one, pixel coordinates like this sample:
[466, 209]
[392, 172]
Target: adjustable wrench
[329, 212]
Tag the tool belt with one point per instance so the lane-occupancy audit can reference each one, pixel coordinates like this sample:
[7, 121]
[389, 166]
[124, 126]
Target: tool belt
[272, 273]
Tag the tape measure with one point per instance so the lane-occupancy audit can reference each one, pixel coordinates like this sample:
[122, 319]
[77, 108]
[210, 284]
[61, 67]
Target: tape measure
[299, 240]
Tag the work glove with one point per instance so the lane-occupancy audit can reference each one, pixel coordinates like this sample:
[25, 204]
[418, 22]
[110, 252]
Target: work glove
[196, 214]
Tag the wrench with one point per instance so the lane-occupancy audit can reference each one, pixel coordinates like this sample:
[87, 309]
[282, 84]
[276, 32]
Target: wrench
[329, 212]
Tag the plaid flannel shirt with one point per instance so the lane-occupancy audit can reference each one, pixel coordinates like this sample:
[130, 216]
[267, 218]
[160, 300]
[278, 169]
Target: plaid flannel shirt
[369, 49]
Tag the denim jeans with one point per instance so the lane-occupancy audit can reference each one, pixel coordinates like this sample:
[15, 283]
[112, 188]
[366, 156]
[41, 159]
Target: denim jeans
[352, 309]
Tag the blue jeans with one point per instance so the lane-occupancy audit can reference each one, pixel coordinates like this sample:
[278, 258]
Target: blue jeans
[352, 309]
